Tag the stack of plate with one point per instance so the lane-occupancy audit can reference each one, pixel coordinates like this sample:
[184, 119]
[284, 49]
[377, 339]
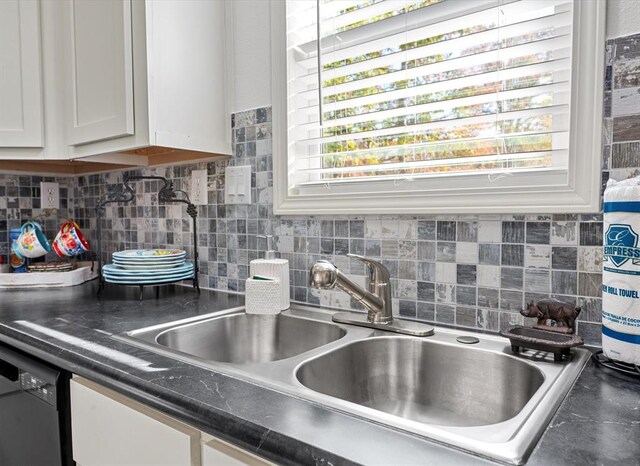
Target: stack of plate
[148, 266]
[52, 267]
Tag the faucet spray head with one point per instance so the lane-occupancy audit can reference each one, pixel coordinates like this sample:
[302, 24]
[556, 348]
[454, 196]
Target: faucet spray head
[323, 275]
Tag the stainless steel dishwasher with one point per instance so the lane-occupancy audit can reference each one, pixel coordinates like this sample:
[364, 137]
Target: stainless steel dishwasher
[35, 423]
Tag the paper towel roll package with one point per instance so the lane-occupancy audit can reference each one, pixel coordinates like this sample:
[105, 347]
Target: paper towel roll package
[621, 271]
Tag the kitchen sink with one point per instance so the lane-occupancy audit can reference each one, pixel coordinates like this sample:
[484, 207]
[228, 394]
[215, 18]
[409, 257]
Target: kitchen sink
[481, 398]
[242, 338]
[425, 382]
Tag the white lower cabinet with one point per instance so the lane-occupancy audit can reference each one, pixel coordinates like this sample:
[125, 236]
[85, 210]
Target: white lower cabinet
[110, 429]
[215, 452]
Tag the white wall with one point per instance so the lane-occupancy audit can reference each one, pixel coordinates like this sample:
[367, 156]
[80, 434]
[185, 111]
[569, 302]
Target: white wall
[251, 24]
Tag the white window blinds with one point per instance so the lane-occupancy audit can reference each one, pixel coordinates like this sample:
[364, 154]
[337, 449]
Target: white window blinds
[387, 90]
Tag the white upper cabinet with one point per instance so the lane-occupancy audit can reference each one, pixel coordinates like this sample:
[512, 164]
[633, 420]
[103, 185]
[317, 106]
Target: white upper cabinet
[187, 75]
[100, 93]
[146, 78]
[130, 82]
[21, 108]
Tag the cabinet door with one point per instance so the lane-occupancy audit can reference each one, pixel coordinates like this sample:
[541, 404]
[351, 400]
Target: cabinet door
[109, 429]
[215, 452]
[101, 71]
[21, 110]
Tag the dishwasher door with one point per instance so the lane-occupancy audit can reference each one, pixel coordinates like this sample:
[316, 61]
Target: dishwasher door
[34, 424]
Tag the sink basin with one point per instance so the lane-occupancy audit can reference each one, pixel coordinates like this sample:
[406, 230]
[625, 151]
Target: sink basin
[425, 382]
[247, 338]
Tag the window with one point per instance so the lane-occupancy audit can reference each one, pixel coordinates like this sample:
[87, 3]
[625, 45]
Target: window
[437, 106]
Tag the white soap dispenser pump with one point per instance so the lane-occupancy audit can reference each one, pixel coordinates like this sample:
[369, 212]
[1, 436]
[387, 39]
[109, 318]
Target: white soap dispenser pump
[271, 267]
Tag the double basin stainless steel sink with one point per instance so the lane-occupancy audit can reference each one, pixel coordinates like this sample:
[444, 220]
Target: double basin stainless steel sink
[480, 398]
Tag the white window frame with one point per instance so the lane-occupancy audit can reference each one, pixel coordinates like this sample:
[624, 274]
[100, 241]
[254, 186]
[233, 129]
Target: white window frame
[575, 191]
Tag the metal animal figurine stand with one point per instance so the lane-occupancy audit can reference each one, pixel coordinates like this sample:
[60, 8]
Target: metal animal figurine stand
[542, 337]
[563, 314]
[167, 194]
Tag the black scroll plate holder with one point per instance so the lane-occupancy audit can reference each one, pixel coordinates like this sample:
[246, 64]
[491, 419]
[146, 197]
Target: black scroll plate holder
[630, 369]
[166, 195]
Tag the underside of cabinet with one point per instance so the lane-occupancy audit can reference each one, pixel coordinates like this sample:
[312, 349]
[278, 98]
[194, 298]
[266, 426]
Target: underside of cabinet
[143, 157]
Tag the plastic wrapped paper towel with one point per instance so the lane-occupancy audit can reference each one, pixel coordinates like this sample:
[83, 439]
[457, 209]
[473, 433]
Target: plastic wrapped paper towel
[621, 271]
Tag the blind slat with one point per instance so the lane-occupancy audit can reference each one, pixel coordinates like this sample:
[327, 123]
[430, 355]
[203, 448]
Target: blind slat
[372, 106]
[504, 59]
[440, 111]
[546, 119]
[392, 167]
[557, 69]
[374, 12]
[456, 48]
[450, 40]
[439, 18]
[450, 146]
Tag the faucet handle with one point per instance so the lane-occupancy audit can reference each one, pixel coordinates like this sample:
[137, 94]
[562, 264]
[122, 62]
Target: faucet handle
[373, 266]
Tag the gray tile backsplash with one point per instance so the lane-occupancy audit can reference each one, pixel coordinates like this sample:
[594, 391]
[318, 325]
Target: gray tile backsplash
[20, 201]
[468, 271]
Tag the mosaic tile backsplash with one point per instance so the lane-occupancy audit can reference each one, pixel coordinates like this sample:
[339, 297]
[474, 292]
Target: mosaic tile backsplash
[467, 271]
[20, 201]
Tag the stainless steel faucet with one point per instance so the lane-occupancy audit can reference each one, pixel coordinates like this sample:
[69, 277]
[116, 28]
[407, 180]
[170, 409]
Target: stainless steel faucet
[377, 299]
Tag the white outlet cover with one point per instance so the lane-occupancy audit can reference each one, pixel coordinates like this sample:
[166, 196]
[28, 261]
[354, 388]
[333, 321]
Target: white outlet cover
[49, 195]
[199, 187]
[237, 185]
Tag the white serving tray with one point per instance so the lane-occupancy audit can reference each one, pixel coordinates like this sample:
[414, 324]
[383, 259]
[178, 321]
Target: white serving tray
[80, 275]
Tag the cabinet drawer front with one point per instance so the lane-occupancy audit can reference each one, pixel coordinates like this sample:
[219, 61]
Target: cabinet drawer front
[100, 62]
[21, 109]
[110, 432]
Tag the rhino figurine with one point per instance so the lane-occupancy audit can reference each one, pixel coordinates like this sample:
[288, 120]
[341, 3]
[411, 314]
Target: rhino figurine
[563, 313]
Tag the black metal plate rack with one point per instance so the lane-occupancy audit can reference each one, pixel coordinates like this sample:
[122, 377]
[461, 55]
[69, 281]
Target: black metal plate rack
[626, 368]
[167, 194]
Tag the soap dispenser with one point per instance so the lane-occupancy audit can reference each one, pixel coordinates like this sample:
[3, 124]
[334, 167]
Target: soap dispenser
[271, 267]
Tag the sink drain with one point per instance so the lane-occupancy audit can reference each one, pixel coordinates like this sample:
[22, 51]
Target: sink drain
[468, 340]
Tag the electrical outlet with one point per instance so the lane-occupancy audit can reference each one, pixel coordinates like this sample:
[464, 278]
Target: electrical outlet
[199, 187]
[49, 195]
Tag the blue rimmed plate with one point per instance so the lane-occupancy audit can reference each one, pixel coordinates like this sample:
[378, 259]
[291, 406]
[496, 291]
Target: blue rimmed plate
[150, 265]
[155, 281]
[116, 271]
[145, 255]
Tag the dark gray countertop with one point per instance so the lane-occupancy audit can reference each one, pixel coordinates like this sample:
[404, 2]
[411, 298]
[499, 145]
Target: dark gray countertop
[598, 423]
